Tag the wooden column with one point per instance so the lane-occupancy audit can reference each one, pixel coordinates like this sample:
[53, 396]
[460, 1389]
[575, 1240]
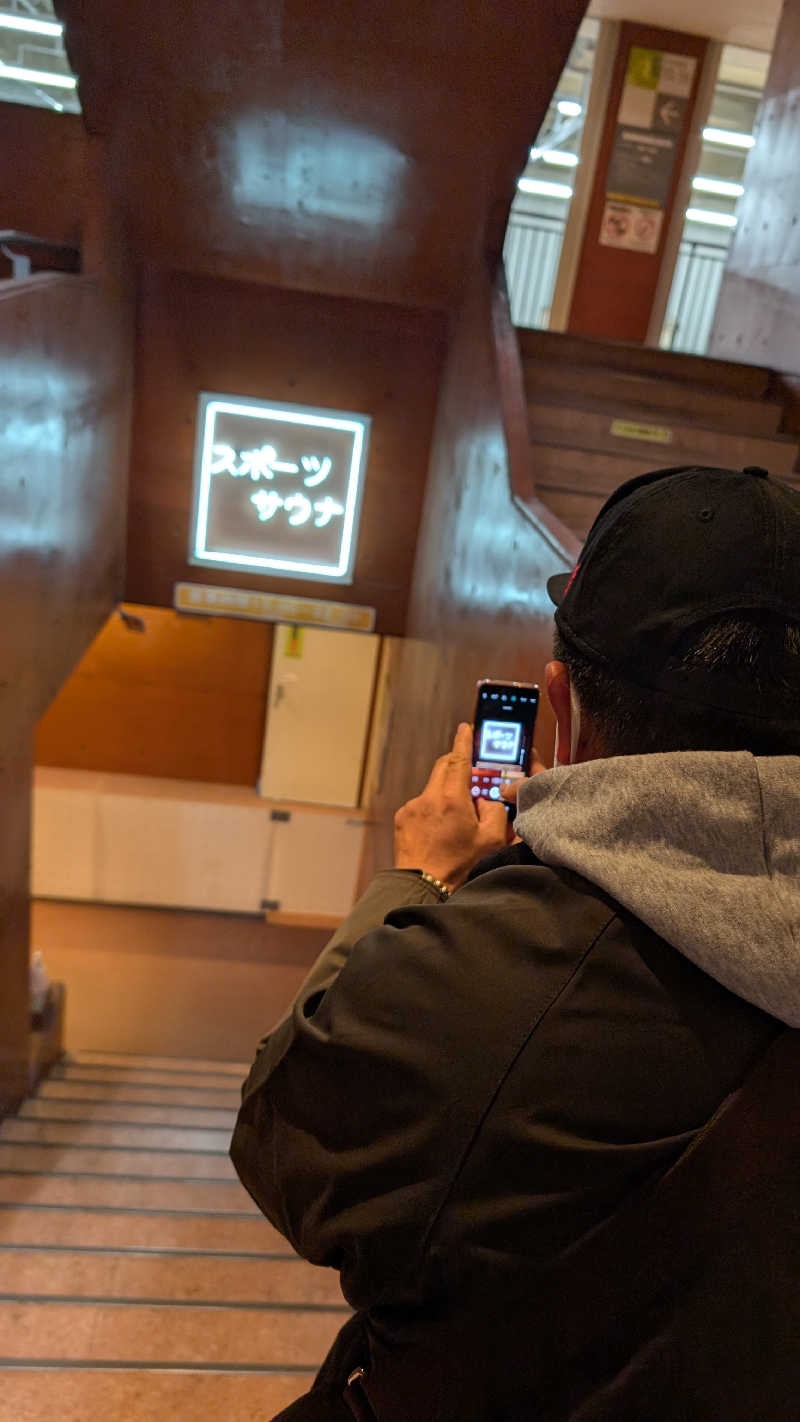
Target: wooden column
[651, 112]
[64, 423]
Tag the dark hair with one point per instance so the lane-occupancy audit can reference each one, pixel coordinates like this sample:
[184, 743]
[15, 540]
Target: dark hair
[630, 720]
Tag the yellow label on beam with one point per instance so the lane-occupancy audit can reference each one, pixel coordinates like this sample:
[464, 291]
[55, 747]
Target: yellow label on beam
[650, 434]
[294, 641]
[272, 607]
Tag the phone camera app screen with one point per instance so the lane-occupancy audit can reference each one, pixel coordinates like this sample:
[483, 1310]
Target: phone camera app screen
[500, 742]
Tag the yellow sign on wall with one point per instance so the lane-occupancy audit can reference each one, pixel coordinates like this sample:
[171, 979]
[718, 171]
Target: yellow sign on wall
[294, 641]
[650, 434]
[272, 607]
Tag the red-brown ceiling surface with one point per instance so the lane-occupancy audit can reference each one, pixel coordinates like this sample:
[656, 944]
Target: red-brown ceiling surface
[355, 148]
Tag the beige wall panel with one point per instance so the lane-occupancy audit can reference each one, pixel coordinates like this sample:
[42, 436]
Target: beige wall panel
[171, 984]
[314, 863]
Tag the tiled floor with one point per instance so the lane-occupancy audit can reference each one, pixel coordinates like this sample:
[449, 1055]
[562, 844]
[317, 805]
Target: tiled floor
[137, 1279]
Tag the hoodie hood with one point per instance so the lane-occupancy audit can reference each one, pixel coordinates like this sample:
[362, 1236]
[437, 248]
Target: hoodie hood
[703, 847]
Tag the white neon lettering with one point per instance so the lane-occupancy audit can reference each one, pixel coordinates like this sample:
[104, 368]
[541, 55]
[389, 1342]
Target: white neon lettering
[316, 469]
[325, 509]
[223, 459]
[267, 504]
[258, 463]
[299, 509]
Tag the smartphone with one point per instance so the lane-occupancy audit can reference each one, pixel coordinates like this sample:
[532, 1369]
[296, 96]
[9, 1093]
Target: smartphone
[505, 716]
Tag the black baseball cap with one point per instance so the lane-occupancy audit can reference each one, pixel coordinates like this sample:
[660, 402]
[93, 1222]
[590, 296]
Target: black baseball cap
[669, 551]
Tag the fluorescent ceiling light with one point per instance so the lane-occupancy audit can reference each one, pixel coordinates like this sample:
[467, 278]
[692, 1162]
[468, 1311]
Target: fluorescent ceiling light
[31, 27]
[535, 185]
[717, 186]
[569, 108]
[710, 219]
[37, 76]
[727, 138]
[554, 156]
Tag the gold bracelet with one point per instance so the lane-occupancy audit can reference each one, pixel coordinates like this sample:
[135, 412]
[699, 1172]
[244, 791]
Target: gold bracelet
[443, 890]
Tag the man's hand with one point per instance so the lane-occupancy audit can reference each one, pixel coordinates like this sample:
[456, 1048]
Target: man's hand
[444, 831]
[510, 789]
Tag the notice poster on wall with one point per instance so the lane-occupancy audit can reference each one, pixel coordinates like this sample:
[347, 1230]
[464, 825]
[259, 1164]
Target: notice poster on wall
[652, 114]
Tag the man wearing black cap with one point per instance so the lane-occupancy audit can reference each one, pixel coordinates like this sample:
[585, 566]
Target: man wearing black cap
[489, 1109]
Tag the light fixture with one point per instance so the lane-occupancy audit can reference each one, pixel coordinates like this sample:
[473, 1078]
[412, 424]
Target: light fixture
[727, 138]
[30, 27]
[554, 156]
[709, 219]
[37, 76]
[543, 189]
[569, 108]
[718, 187]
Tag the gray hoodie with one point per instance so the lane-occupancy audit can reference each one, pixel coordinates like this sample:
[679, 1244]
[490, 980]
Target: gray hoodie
[703, 847]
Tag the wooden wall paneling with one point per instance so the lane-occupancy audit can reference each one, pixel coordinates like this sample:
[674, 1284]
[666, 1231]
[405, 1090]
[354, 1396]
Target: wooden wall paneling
[615, 288]
[43, 172]
[758, 313]
[360, 158]
[199, 334]
[191, 984]
[479, 605]
[64, 420]
[184, 697]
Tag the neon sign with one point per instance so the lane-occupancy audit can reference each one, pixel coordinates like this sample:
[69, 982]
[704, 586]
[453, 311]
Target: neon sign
[277, 488]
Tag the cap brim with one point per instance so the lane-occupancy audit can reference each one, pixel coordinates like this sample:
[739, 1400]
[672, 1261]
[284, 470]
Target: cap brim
[557, 586]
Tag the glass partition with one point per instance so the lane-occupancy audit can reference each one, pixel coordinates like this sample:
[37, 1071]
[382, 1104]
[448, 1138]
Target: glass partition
[33, 65]
[717, 186]
[536, 225]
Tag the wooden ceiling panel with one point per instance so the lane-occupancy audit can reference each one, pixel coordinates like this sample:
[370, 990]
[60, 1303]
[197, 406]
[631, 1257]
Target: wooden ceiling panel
[360, 150]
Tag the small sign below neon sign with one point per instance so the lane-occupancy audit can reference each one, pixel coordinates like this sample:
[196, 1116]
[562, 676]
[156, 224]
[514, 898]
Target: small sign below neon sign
[277, 488]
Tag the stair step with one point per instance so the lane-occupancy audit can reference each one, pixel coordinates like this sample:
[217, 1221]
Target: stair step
[142, 1395]
[125, 1113]
[577, 511]
[83, 1191]
[54, 1089]
[750, 381]
[138, 1137]
[97, 1160]
[557, 466]
[642, 397]
[140, 1076]
[238, 1070]
[137, 1277]
[168, 1276]
[591, 430]
[118, 1229]
[135, 1333]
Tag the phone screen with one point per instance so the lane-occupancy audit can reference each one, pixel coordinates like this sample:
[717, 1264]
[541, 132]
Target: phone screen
[505, 716]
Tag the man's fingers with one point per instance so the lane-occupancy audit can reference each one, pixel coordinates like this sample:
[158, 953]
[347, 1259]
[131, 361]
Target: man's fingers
[459, 770]
[493, 820]
[452, 772]
[438, 775]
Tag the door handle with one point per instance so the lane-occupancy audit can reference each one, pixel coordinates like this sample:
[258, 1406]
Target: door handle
[288, 679]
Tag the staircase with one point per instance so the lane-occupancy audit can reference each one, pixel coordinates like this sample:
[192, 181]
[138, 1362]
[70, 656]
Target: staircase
[601, 412]
[137, 1279]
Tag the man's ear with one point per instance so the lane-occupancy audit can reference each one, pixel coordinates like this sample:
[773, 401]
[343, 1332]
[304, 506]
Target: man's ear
[556, 680]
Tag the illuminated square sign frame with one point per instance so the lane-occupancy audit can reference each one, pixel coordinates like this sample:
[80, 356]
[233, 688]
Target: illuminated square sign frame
[280, 497]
